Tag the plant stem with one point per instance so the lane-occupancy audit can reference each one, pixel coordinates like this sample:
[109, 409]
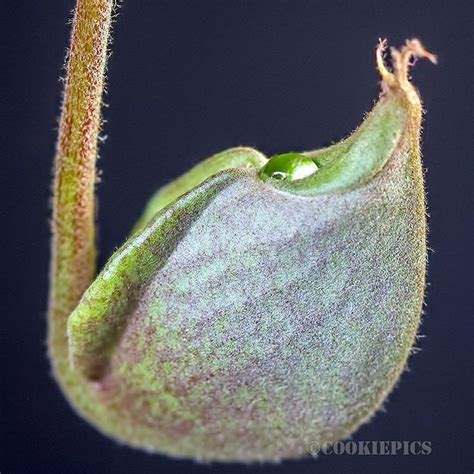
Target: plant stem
[73, 223]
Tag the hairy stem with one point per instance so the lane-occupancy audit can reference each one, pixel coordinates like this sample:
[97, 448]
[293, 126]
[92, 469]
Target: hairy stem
[73, 222]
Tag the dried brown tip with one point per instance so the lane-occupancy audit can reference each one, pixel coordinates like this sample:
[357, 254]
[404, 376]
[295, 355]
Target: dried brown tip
[402, 60]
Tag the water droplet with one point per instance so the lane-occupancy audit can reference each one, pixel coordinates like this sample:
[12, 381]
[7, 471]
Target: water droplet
[289, 166]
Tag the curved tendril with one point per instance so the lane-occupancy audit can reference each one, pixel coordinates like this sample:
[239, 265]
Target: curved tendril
[73, 248]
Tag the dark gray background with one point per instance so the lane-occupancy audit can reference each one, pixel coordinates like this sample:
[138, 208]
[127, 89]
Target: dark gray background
[190, 78]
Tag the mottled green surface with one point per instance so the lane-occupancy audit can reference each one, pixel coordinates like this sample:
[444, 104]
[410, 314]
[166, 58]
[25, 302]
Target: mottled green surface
[239, 157]
[249, 319]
